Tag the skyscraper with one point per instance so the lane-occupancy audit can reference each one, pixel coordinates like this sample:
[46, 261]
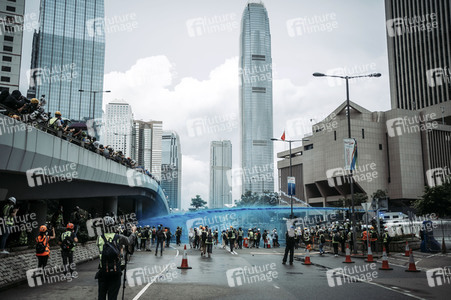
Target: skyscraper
[256, 111]
[419, 52]
[146, 145]
[220, 168]
[68, 56]
[117, 127]
[171, 168]
[11, 31]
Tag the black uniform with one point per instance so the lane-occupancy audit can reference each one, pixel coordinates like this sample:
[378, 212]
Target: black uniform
[289, 248]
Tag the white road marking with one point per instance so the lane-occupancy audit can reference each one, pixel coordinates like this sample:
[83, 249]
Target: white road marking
[150, 283]
[393, 289]
[276, 286]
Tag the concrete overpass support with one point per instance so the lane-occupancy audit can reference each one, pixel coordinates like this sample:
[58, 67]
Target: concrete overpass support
[110, 205]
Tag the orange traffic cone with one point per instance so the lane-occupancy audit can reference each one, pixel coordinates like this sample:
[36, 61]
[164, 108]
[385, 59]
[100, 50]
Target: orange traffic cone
[348, 256]
[370, 255]
[412, 267]
[268, 245]
[184, 261]
[307, 258]
[385, 265]
[406, 253]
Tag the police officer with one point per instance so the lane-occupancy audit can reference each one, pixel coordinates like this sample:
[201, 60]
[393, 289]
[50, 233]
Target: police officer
[67, 242]
[289, 245]
[109, 277]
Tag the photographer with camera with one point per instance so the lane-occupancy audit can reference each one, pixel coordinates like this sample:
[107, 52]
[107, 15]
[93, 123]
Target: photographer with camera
[42, 244]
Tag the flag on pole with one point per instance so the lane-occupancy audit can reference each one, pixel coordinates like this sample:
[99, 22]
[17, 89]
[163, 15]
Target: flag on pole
[283, 136]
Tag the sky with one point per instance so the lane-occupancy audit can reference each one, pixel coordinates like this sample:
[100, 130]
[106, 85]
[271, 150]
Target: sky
[169, 68]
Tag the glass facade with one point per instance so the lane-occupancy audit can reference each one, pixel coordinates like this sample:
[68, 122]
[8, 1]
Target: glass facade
[171, 168]
[68, 56]
[146, 145]
[220, 166]
[256, 111]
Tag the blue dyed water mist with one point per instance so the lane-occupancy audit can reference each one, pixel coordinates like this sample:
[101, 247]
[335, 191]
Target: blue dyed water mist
[263, 218]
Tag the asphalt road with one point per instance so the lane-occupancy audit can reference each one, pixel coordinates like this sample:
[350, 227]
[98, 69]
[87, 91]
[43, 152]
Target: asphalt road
[264, 278]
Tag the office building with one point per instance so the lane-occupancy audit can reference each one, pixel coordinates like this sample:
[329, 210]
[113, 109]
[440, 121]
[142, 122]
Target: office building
[220, 174]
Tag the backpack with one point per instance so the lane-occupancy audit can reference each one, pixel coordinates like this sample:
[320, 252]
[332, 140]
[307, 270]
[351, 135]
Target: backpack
[323, 239]
[374, 235]
[67, 244]
[160, 235]
[41, 245]
[209, 238]
[111, 262]
[204, 236]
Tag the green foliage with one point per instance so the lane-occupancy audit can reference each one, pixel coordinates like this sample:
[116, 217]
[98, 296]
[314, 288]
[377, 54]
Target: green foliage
[435, 200]
[266, 198]
[379, 194]
[359, 198]
[198, 202]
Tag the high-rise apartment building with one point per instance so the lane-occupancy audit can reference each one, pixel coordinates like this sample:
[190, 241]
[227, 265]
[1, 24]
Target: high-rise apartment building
[117, 126]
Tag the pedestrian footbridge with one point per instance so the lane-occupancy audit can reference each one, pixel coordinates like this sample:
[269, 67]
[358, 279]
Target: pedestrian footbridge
[37, 166]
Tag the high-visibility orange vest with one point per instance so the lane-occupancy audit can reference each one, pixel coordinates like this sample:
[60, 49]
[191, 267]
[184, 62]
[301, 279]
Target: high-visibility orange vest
[45, 240]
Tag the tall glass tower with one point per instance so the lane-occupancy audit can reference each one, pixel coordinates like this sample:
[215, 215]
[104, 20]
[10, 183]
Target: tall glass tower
[68, 56]
[171, 168]
[256, 114]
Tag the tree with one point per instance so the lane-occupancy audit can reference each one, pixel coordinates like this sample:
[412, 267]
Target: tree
[359, 198]
[253, 199]
[436, 200]
[379, 194]
[198, 202]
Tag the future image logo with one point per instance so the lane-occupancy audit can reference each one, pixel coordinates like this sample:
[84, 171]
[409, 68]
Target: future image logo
[438, 276]
[438, 76]
[248, 275]
[438, 176]
[208, 25]
[413, 124]
[411, 24]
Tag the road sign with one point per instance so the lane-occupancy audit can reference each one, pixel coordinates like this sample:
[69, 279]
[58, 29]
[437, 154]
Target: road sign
[366, 206]
[291, 186]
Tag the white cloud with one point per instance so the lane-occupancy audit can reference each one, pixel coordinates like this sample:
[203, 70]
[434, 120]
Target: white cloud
[154, 92]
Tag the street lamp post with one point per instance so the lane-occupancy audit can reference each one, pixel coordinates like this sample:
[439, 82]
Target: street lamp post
[291, 168]
[94, 102]
[349, 136]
